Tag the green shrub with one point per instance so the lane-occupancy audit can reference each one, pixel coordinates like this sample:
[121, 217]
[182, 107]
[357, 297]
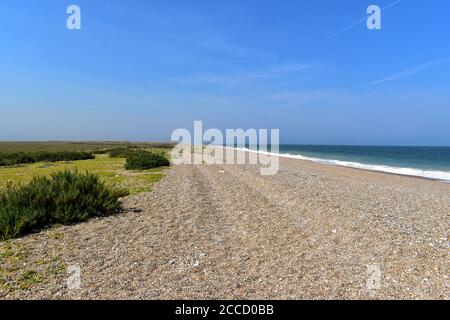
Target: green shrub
[100, 151]
[62, 156]
[145, 160]
[121, 152]
[66, 197]
[9, 159]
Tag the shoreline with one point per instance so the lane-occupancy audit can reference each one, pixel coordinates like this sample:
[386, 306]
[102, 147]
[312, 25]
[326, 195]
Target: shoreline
[353, 165]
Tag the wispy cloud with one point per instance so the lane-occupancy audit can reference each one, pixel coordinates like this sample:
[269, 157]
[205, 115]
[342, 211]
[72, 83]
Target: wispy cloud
[312, 98]
[411, 71]
[233, 49]
[353, 24]
[246, 77]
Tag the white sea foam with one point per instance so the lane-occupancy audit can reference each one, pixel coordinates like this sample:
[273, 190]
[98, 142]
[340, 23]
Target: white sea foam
[415, 172]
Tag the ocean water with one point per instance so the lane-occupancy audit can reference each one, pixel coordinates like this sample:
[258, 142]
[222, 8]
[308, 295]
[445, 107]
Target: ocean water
[427, 162]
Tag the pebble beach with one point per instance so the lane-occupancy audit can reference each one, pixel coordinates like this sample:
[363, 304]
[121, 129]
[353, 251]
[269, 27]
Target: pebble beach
[312, 231]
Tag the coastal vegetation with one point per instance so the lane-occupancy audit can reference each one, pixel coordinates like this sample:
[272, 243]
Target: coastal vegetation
[143, 160]
[10, 159]
[122, 152]
[58, 186]
[55, 146]
[65, 197]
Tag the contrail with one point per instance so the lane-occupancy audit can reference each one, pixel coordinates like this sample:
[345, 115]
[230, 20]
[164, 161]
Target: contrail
[354, 24]
[411, 71]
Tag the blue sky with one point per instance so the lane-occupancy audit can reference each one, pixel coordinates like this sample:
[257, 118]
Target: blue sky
[139, 69]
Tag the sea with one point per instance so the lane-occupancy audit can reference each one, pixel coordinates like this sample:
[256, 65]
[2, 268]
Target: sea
[425, 162]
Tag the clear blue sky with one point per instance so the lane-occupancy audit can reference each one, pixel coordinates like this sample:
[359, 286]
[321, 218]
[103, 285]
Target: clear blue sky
[139, 69]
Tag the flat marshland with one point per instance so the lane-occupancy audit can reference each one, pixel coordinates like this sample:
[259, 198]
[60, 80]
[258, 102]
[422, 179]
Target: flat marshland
[111, 170]
[54, 146]
[224, 231]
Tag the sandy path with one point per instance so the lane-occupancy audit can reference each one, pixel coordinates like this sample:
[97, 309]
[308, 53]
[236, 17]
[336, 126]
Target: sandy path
[222, 231]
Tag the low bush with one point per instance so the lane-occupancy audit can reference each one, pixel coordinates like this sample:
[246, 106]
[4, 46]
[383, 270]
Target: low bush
[143, 160]
[10, 159]
[121, 152]
[100, 151]
[62, 156]
[66, 197]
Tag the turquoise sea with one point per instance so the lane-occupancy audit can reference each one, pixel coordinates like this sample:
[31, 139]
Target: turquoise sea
[427, 162]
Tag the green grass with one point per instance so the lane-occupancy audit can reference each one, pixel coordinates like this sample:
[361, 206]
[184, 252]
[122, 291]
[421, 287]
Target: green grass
[19, 269]
[29, 278]
[18, 146]
[110, 170]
